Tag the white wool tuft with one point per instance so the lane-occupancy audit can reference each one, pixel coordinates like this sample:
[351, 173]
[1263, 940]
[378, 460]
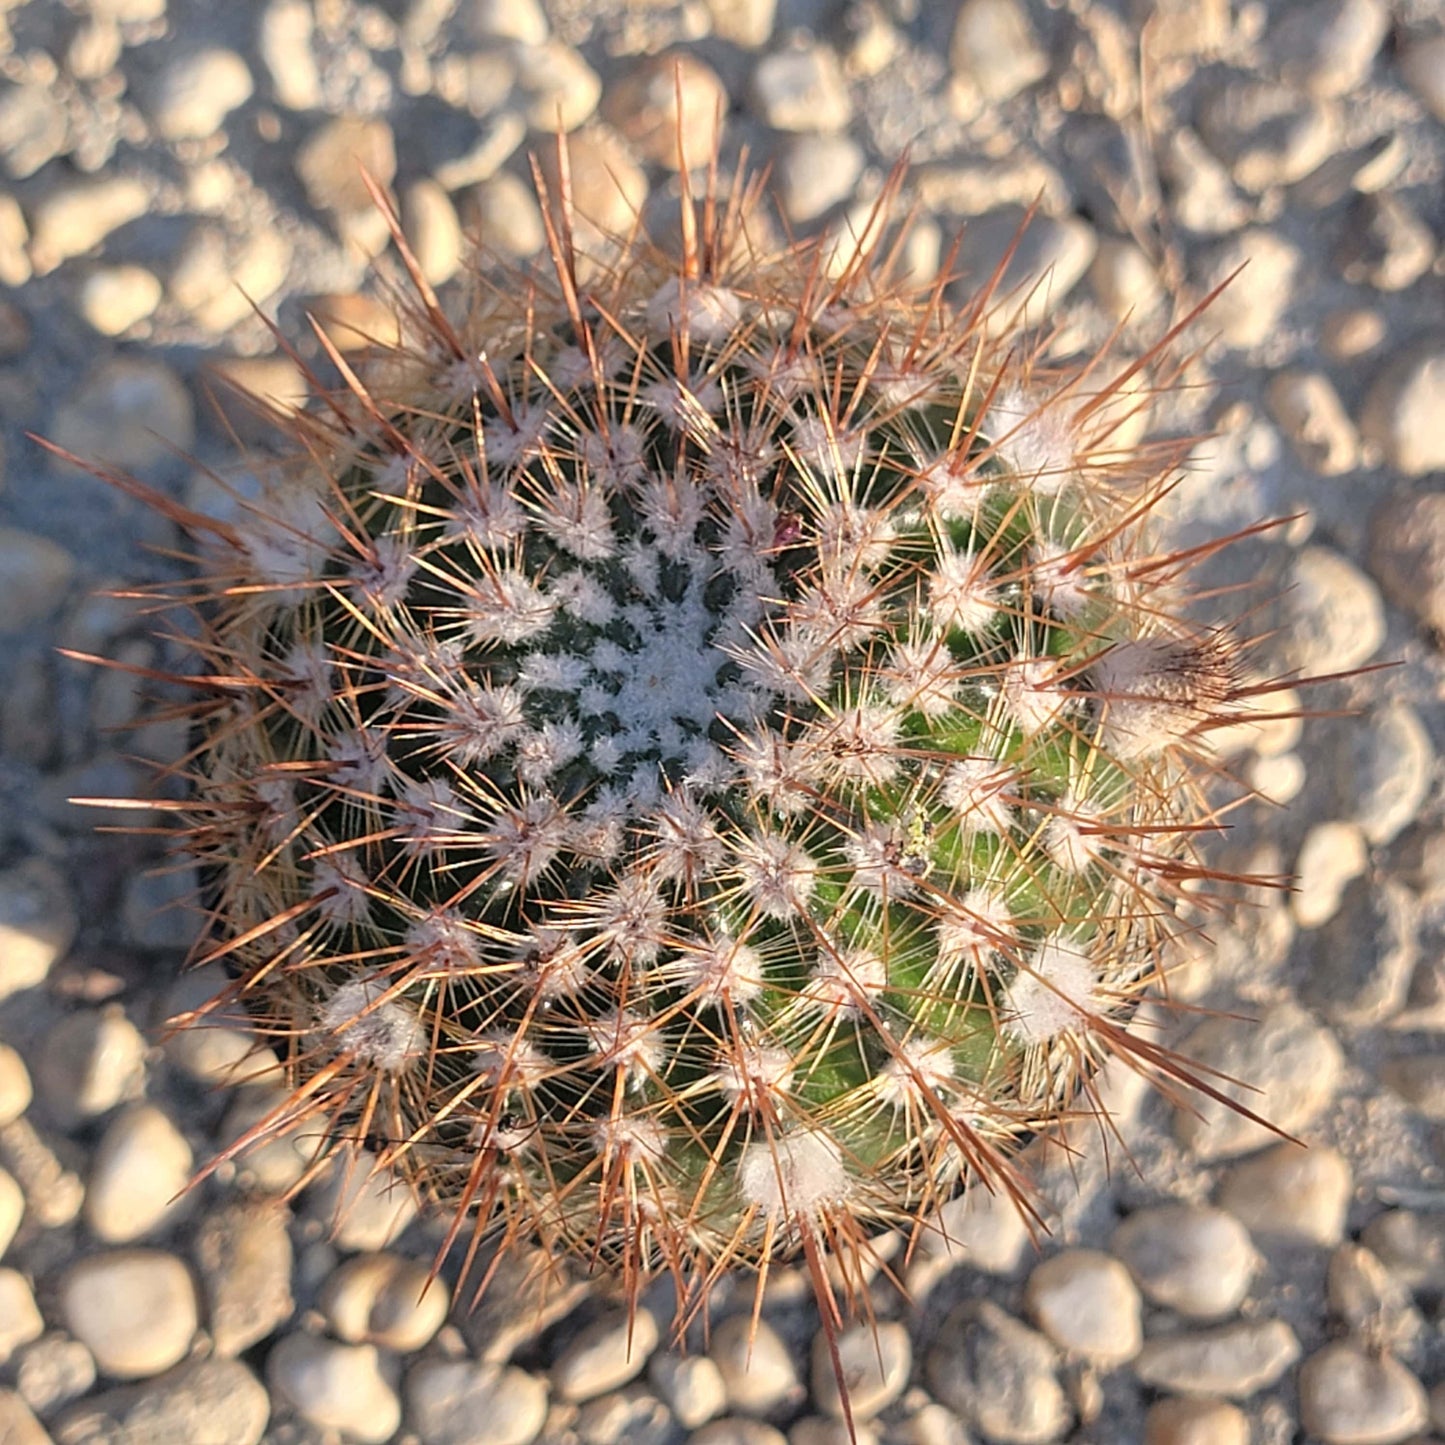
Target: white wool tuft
[389, 1036]
[796, 1176]
[1056, 993]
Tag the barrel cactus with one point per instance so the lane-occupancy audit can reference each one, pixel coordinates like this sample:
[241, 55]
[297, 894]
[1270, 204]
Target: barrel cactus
[702, 751]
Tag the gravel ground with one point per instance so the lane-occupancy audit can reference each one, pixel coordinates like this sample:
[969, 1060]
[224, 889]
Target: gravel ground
[1201, 1283]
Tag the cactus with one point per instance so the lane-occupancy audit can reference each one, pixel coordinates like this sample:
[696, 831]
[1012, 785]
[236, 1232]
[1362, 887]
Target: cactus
[702, 754]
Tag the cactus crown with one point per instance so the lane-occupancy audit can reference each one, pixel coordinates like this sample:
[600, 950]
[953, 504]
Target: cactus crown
[705, 751]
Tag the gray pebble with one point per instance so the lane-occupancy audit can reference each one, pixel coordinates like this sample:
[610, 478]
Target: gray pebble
[35, 574]
[756, 1366]
[284, 40]
[1358, 968]
[1050, 259]
[1291, 1195]
[134, 1309]
[53, 1371]
[1407, 554]
[995, 49]
[1310, 413]
[331, 160]
[1411, 1245]
[605, 1354]
[801, 89]
[665, 102]
[1288, 1066]
[1328, 50]
[384, 1299]
[1392, 768]
[335, 1386]
[243, 1254]
[20, 1318]
[814, 172]
[876, 1360]
[115, 298]
[1385, 244]
[1191, 1258]
[1267, 134]
[1404, 413]
[38, 923]
[76, 216]
[1419, 1080]
[1234, 1361]
[194, 94]
[276, 1161]
[462, 1402]
[1195, 1422]
[1204, 199]
[34, 127]
[999, 1375]
[1422, 63]
[1371, 1303]
[216, 276]
[633, 1414]
[1248, 310]
[132, 412]
[90, 1061]
[555, 87]
[692, 1386]
[1348, 1397]
[503, 214]
[1336, 616]
[138, 1176]
[1087, 1304]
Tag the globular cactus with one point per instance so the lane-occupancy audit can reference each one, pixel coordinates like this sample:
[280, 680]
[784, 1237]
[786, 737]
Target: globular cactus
[702, 755]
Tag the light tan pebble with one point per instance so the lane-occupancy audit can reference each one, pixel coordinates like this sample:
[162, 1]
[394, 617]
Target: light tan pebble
[1277, 780]
[756, 1366]
[605, 1355]
[463, 1402]
[1351, 332]
[1310, 413]
[53, 1194]
[132, 412]
[35, 574]
[609, 189]
[76, 216]
[1392, 767]
[335, 1387]
[115, 298]
[274, 1161]
[556, 88]
[18, 1425]
[386, 1300]
[746, 23]
[801, 88]
[1291, 1194]
[16, 1091]
[195, 93]
[819, 1430]
[670, 109]
[363, 1206]
[1331, 856]
[522, 20]
[1087, 1304]
[52, 1371]
[219, 279]
[876, 1361]
[12, 1209]
[354, 322]
[20, 1318]
[932, 1424]
[138, 1176]
[1267, 134]
[996, 49]
[34, 128]
[502, 213]
[244, 1257]
[1373, 1305]
[332, 159]
[1191, 1258]
[1422, 63]
[632, 1413]
[431, 225]
[982, 1226]
[1195, 1422]
[1419, 1079]
[244, 390]
[285, 44]
[15, 267]
[1233, 1361]
[1288, 1065]
[737, 1430]
[134, 1309]
[1404, 413]
[1249, 309]
[691, 1385]
[90, 1062]
[1349, 1397]
[1125, 281]
[814, 172]
[1411, 1245]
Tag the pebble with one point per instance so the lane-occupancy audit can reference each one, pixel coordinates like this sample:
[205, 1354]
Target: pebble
[284, 42]
[813, 173]
[34, 128]
[1204, 198]
[364, 1207]
[1328, 51]
[243, 1255]
[1404, 413]
[1087, 1304]
[12, 1209]
[335, 1386]
[1357, 970]
[664, 99]
[737, 1431]
[1392, 767]
[504, 216]
[74, 217]
[354, 322]
[1331, 856]
[1422, 63]
[134, 1309]
[1291, 1195]
[218, 278]
[131, 412]
[876, 1361]
[18, 1425]
[1195, 1422]
[138, 1176]
[38, 920]
[90, 1061]
[1234, 1361]
[36, 574]
[15, 269]
[1385, 244]
[194, 94]
[1288, 1066]
[605, 1355]
[528, 1291]
[1419, 1079]
[52, 1371]
[995, 49]
[756, 1366]
[241, 381]
[999, 1375]
[556, 88]
[524, 21]
[1371, 1303]
[1249, 309]
[982, 1228]
[1125, 281]
[1335, 613]
[461, 1402]
[433, 230]
[1267, 134]
[115, 298]
[801, 89]
[1349, 1397]
[386, 1300]
[1407, 554]
[691, 1385]
[274, 1163]
[1191, 1258]
[331, 161]
[1410, 1245]
[632, 1415]
[475, 151]
[1351, 331]
[609, 190]
[20, 1319]
[1310, 413]
[1051, 257]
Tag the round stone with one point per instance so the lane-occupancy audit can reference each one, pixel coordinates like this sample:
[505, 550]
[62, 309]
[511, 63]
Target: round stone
[875, 1362]
[76, 216]
[15, 1087]
[90, 1062]
[737, 1431]
[1267, 134]
[670, 108]
[115, 298]
[556, 88]
[1407, 554]
[1392, 768]
[135, 1309]
[1331, 856]
[1125, 281]
[609, 188]
[691, 1386]
[244, 1257]
[503, 214]
[20, 1318]
[36, 574]
[1404, 413]
[1190, 1258]
[801, 89]
[1042, 262]
[362, 1206]
[1310, 413]
[386, 1300]
[1087, 1304]
[131, 412]
[995, 48]
[332, 160]
[335, 1386]
[34, 128]
[276, 1161]
[1422, 63]
[983, 1228]
[53, 1371]
[462, 1402]
[814, 172]
[431, 225]
[12, 1209]
[1234, 1361]
[1372, 1304]
[1419, 1079]
[138, 1177]
[1195, 1422]
[195, 93]
[1249, 309]
[1328, 51]
[1336, 615]
[756, 1365]
[1290, 1194]
[1411, 1245]
[1349, 1397]
[605, 1355]
[18, 1425]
